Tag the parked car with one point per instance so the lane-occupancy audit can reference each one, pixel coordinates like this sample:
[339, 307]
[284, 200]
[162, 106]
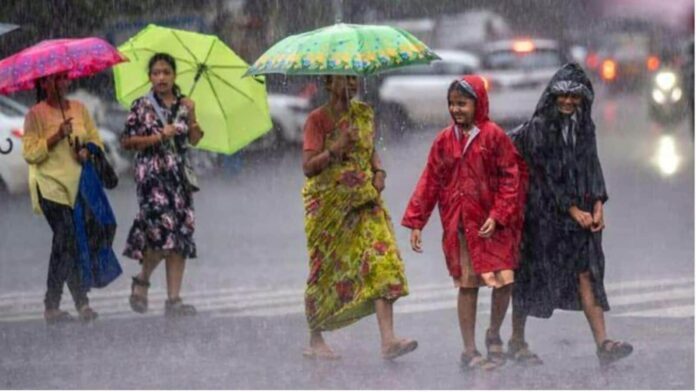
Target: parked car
[417, 95]
[288, 114]
[14, 170]
[516, 72]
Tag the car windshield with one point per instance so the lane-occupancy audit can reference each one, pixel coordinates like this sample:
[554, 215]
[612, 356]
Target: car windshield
[11, 109]
[509, 59]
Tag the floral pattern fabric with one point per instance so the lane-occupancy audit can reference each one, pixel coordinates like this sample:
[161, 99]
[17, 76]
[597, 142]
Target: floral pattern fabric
[354, 258]
[166, 217]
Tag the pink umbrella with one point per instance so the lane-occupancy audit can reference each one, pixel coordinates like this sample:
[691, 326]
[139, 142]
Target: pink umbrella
[78, 57]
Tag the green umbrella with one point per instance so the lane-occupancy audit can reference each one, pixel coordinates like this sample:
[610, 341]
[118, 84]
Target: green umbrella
[344, 49]
[233, 111]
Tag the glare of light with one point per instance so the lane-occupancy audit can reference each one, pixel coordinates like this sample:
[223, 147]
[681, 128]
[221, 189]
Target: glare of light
[667, 158]
[666, 80]
[524, 46]
[676, 94]
[609, 69]
[653, 63]
[658, 96]
[592, 61]
[486, 83]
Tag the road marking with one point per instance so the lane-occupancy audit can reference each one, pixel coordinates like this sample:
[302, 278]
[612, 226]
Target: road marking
[262, 302]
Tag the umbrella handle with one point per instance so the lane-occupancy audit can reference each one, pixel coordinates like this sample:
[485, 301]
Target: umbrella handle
[9, 148]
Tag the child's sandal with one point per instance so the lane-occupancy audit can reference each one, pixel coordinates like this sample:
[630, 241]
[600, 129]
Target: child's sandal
[472, 361]
[611, 351]
[519, 352]
[494, 346]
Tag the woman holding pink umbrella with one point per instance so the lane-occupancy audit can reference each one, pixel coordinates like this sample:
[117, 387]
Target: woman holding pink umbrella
[56, 131]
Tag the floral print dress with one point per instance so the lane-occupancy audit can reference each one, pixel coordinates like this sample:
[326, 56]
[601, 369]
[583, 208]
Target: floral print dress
[165, 221]
[353, 254]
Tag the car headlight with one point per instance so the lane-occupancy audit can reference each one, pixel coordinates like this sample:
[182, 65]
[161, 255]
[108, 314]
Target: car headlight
[658, 96]
[676, 94]
[666, 80]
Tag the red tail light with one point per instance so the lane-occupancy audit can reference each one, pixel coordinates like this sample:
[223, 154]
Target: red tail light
[652, 63]
[592, 60]
[17, 132]
[608, 70]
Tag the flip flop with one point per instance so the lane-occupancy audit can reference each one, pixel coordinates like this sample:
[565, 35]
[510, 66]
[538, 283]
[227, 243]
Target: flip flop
[400, 348]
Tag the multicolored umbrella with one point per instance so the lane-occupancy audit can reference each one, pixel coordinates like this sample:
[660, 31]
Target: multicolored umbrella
[344, 49]
[233, 111]
[78, 57]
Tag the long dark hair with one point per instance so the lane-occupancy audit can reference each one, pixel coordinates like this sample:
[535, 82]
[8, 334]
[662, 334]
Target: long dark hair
[167, 58]
[40, 92]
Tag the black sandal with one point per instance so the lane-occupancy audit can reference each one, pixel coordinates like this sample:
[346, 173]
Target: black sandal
[611, 351]
[87, 314]
[138, 302]
[519, 352]
[61, 317]
[496, 356]
[474, 361]
[176, 308]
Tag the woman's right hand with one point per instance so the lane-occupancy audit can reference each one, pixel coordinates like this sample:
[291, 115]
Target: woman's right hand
[64, 130]
[416, 241]
[168, 131]
[584, 219]
[346, 139]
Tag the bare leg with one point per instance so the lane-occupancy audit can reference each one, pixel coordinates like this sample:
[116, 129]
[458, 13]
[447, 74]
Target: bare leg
[499, 305]
[385, 320]
[151, 260]
[593, 312]
[466, 307]
[175, 264]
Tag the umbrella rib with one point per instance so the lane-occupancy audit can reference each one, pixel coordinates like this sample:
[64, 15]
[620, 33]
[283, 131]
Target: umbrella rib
[185, 47]
[228, 84]
[217, 98]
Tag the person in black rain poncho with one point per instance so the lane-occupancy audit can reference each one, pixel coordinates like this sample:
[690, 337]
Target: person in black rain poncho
[561, 261]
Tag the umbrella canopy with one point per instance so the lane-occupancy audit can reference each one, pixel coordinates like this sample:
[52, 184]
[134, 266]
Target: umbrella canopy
[344, 49]
[78, 57]
[233, 111]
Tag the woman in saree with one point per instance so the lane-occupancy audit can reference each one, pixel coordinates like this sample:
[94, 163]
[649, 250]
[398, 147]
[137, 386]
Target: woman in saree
[355, 266]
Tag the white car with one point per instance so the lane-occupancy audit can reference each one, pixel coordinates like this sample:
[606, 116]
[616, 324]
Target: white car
[419, 93]
[288, 114]
[516, 73]
[14, 170]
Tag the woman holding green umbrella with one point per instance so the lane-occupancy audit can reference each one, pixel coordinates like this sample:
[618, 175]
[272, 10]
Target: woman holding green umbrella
[158, 127]
[355, 265]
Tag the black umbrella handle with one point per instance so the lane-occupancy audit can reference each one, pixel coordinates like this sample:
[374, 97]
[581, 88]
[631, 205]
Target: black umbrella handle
[9, 148]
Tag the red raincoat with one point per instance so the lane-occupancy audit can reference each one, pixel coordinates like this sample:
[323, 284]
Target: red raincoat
[487, 178]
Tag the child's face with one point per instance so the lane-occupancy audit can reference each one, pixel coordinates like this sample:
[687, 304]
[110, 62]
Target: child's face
[568, 103]
[461, 108]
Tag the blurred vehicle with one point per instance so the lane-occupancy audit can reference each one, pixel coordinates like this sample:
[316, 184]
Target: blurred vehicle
[14, 170]
[516, 72]
[667, 98]
[418, 94]
[625, 53]
[288, 115]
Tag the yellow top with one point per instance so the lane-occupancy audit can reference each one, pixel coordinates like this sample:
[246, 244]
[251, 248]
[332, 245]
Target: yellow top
[56, 171]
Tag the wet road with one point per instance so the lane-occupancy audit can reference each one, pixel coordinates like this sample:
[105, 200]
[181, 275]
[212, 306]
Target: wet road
[252, 264]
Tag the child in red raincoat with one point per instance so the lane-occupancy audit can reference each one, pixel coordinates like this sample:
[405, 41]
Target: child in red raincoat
[477, 178]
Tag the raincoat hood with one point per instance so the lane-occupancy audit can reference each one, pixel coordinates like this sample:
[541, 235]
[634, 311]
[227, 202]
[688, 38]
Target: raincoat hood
[570, 79]
[474, 85]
